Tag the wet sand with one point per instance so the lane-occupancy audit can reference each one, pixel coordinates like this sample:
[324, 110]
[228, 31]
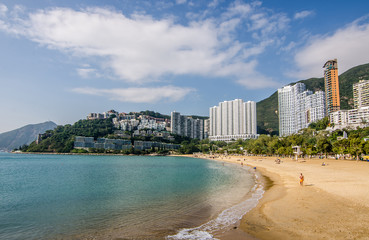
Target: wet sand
[333, 203]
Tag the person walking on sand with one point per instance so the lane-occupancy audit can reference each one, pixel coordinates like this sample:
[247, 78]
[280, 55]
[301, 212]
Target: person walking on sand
[301, 179]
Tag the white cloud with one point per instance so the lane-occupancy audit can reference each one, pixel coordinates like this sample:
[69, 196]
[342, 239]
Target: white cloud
[139, 95]
[268, 25]
[251, 80]
[257, 81]
[87, 72]
[289, 47]
[257, 49]
[140, 49]
[348, 44]
[303, 14]
[181, 1]
[238, 9]
[213, 4]
[3, 10]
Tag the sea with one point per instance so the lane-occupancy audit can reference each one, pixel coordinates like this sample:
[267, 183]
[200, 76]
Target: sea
[121, 197]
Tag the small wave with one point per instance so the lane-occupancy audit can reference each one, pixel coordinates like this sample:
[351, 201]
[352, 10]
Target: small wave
[225, 219]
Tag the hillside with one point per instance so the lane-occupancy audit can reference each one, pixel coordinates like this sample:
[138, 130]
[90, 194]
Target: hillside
[267, 117]
[24, 135]
[159, 115]
[61, 139]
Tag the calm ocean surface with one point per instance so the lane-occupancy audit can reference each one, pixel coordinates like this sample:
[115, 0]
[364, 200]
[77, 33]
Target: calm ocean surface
[126, 197]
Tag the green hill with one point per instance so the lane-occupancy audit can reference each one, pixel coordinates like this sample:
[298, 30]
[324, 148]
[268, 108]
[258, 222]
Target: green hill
[61, 139]
[24, 135]
[159, 115]
[267, 117]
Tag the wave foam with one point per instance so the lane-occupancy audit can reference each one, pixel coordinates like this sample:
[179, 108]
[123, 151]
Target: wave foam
[225, 219]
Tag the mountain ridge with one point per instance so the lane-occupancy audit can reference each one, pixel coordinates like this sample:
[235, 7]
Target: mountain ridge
[23, 135]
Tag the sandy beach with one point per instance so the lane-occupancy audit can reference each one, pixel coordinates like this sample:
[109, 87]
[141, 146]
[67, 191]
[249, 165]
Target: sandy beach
[333, 202]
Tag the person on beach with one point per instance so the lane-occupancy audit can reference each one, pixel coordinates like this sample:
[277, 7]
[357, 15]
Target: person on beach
[301, 179]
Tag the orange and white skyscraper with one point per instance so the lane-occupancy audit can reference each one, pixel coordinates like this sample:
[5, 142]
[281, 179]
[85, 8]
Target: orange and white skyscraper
[332, 88]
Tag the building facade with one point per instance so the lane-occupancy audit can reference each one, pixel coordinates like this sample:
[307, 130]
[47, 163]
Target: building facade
[233, 120]
[101, 143]
[145, 145]
[361, 94]
[287, 99]
[187, 126]
[332, 91]
[120, 144]
[357, 117]
[339, 118]
[353, 118]
[315, 108]
[298, 107]
[206, 128]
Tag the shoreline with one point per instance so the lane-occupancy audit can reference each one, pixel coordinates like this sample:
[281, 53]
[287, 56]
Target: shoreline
[94, 154]
[332, 204]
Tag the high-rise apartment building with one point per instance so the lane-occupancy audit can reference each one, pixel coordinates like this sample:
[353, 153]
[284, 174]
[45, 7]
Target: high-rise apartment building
[287, 99]
[187, 126]
[175, 123]
[361, 94]
[298, 107]
[206, 128]
[332, 91]
[315, 107]
[233, 120]
[359, 116]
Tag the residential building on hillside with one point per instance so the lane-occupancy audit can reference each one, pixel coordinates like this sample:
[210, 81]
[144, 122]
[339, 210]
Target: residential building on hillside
[357, 117]
[120, 144]
[145, 145]
[101, 143]
[187, 126]
[233, 120]
[175, 123]
[361, 94]
[339, 118]
[151, 124]
[353, 118]
[298, 107]
[206, 128]
[315, 108]
[93, 116]
[287, 99]
[129, 122]
[332, 91]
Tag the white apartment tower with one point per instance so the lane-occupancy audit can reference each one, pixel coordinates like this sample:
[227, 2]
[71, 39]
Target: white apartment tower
[187, 126]
[361, 94]
[359, 116]
[175, 125]
[315, 108]
[287, 98]
[297, 108]
[233, 120]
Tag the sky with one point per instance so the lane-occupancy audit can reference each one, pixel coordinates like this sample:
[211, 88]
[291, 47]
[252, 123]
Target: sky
[61, 60]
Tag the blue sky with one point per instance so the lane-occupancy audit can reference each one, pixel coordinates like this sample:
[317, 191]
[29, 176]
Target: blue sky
[61, 60]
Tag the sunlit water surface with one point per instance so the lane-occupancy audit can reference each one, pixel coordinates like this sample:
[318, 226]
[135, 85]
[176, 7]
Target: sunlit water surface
[107, 197]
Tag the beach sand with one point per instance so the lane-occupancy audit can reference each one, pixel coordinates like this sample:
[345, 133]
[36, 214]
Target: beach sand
[333, 203]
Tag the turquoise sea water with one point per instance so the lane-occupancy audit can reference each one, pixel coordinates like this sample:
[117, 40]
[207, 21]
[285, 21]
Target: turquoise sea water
[108, 197]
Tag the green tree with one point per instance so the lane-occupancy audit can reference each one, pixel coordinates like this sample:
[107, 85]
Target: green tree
[355, 147]
[324, 146]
